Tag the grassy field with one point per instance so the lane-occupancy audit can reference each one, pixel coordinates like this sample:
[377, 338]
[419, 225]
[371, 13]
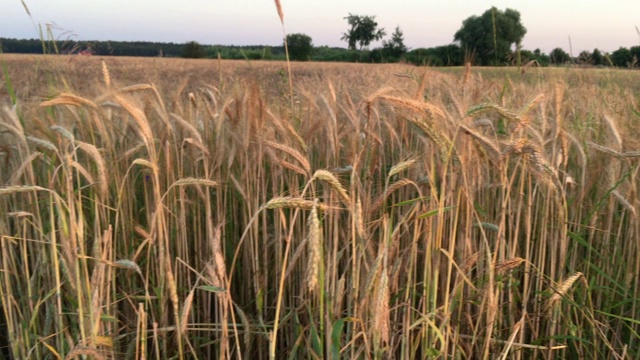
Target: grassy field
[182, 209]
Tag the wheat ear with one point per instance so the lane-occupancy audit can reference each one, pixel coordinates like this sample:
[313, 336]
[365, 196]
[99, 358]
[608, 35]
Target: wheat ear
[314, 245]
[564, 287]
[330, 179]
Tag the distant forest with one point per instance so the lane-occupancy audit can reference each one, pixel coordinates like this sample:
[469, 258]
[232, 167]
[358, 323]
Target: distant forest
[447, 55]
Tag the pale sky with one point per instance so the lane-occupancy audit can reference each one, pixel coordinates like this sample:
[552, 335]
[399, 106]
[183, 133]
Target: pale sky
[426, 23]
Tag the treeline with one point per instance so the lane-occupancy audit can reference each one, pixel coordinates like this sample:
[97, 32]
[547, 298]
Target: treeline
[135, 48]
[115, 48]
[447, 55]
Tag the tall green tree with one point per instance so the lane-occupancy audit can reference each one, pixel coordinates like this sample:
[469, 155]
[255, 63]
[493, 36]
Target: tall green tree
[447, 55]
[300, 47]
[559, 56]
[193, 50]
[395, 48]
[585, 57]
[491, 36]
[362, 31]
[622, 57]
[635, 52]
[597, 58]
[537, 55]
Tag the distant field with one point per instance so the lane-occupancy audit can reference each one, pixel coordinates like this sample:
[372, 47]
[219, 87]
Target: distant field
[168, 208]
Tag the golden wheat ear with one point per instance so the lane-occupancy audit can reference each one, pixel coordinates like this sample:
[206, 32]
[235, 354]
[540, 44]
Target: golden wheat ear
[280, 12]
[314, 244]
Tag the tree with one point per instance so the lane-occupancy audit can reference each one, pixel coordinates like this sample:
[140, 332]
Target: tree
[362, 31]
[447, 55]
[300, 46]
[635, 52]
[537, 55]
[585, 57]
[394, 49]
[193, 50]
[491, 36]
[597, 58]
[622, 57]
[559, 56]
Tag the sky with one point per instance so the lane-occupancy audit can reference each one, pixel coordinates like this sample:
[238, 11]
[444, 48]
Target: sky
[573, 25]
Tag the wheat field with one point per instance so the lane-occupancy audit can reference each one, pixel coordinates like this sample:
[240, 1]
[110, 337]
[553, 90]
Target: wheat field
[183, 209]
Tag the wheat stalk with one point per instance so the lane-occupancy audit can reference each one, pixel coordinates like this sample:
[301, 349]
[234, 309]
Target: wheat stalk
[441, 141]
[218, 255]
[67, 135]
[564, 287]
[624, 202]
[44, 143]
[173, 296]
[418, 94]
[101, 166]
[140, 120]
[314, 246]
[128, 264]
[470, 261]
[510, 264]
[288, 202]
[280, 12]
[523, 146]
[531, 104]
[611, 123]
[136, 87]
[376, 94]
[69, 99]
[186, 309]
[190, 128]
[614, 153]
[18, 189]
[79, 168]
[487, 145]
[304, 162]
[467, 73]
[359, 220]
[17, 174]
[194, 181]
[377, 203]
[413, 105]
[105, 74]
[293, 167]
[381, 308]
[83, 351]
[146, 163]
[400, 167]
[330, 179]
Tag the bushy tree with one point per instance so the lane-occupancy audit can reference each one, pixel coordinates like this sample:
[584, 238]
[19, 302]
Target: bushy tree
[193, 50]
[635, 52]
[597, 58]
[395, 48]
[585, 57]
[622, 57]
[362, 31]
[491, 36]
[447, 55]
[300, 47]
[541, 58]
[559, 56]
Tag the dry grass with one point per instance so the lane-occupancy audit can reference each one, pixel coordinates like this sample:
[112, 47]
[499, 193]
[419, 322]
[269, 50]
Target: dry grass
[165, 208]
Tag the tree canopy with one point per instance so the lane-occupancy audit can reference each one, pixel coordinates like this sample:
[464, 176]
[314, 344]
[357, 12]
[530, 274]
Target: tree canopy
[623, 57]
[300, 46]
[559, 56]
[193, 50]
[490, 37]
[362, 31]
[394, 48]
